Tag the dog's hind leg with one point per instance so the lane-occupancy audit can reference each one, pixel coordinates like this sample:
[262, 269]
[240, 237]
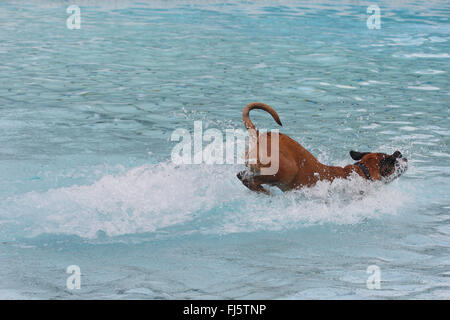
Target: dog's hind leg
[252, 182]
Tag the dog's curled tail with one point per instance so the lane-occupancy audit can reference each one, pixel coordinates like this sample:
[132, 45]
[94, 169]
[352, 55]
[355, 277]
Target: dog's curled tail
[257, 105]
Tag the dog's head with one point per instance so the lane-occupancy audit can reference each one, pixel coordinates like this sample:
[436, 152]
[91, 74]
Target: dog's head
[382, 166]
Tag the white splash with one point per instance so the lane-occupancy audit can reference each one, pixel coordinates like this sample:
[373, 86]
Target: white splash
[197, 198]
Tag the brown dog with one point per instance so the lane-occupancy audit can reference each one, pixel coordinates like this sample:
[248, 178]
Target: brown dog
[297, 167]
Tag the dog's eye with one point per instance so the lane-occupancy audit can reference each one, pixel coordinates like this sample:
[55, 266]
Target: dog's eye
[387, 161]
[387, 166]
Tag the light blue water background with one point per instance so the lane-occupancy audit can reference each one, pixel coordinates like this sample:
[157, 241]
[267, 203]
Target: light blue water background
[86, 178]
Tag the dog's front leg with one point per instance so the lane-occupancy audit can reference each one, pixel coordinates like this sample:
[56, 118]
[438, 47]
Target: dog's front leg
[252, 182]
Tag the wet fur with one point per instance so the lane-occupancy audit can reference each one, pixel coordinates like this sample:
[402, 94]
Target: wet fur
[299, 168]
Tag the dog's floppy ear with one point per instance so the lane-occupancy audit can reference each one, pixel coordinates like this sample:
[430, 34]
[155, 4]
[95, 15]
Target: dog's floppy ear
[357, 155]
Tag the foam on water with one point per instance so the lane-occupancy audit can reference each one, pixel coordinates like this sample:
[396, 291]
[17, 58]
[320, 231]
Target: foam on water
[204, 198]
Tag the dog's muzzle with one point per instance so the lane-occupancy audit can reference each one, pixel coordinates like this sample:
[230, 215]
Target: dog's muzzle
[400, 167]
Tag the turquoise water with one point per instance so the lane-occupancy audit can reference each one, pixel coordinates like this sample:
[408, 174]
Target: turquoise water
[86, 177]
